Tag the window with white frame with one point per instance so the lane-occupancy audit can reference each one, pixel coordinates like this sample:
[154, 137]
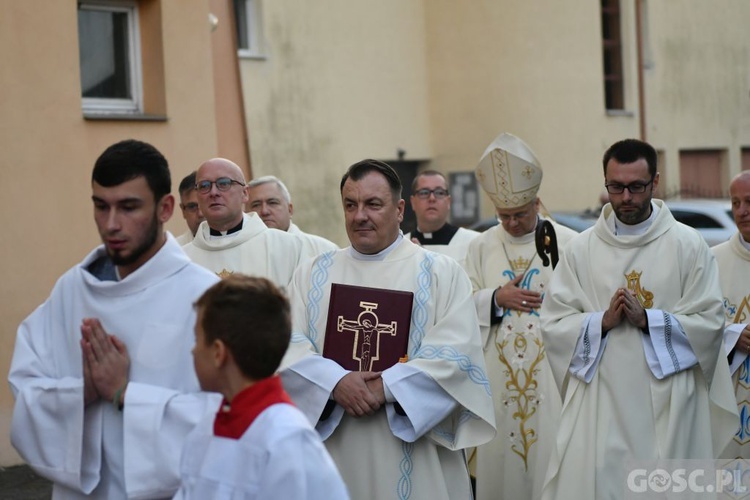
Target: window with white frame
[109, 52]
[249, 33]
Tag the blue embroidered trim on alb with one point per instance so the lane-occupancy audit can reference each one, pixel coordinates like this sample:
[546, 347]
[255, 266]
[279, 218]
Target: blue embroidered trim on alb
[586, 346]
[668, 342]
[743, 433]
[405, 467]
[476, 373]
[744, 375]
[419, 313]
[318, 280]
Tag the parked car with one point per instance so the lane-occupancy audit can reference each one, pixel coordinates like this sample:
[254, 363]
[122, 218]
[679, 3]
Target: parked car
[712, 218]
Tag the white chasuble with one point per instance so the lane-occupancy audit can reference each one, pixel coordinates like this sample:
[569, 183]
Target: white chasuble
[254, 250]
[625, 415]
[442, 388]
[527, 403]
[312, 244]
[99, 451]
[734, 273]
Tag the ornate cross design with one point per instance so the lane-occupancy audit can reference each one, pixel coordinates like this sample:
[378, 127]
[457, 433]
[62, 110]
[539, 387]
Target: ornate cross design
[367, 330]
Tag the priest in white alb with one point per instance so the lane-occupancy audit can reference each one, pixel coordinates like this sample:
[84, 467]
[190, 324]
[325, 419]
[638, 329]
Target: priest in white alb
[632, 322]
[401, 432]
[229, 240]
[269, 197]
[102, 372]
[508, 280]
[431, 202]
[733, 258]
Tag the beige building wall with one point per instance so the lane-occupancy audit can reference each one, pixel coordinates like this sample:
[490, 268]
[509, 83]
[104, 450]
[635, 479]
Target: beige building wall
[533, 69]
[697, 59]
[342, 80]
[48, 148]
[441, 79]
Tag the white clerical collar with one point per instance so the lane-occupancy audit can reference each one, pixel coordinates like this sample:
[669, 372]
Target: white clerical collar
[622, 229]
[744, 243]
[381, 255]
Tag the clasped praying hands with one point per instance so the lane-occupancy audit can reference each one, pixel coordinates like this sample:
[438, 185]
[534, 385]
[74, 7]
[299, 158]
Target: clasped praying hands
[106, 364]
[624, 305]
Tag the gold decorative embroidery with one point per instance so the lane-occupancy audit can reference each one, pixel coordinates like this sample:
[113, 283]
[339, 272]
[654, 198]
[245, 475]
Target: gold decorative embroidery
[645, 297]
[224, 273]
[522, 398]
[742, 311]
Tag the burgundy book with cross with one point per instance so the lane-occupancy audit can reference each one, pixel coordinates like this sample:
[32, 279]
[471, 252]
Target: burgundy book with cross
[367, 328]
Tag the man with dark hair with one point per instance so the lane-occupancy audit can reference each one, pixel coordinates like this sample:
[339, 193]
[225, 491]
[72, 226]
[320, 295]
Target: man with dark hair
[232, 241]
[270, 198]
[104, 414]
[632, 324]
[241, 334]
[431, 202]
[191, 211]
[405, 424]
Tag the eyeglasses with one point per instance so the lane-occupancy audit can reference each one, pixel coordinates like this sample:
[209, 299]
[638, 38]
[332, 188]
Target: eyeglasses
[425, 193]
[633, 187]
[190, 207]
[222, 184]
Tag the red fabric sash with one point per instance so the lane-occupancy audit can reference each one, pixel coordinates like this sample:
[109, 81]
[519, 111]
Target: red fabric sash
[233, 419]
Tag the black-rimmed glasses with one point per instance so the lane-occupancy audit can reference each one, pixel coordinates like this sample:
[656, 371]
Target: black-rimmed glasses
[425, 193]
[633, 187]
[222, 184]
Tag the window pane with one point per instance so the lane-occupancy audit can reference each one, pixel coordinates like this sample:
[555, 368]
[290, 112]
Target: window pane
[104, 52]
[240, 15]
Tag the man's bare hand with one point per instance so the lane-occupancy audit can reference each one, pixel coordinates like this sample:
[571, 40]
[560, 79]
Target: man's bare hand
[375, 385]
[633, 310]
[353, 394]
[89, 390]
[743, 343]
[509, 296]
[107, 357]
[416, 241]
[613, 315]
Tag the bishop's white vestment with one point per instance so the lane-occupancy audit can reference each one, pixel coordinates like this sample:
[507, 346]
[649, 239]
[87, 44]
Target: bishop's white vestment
[733, 259]
[99, 450]
[526, 399]
[631, 396]
[442, 388]
[254, 250]
[312, 244]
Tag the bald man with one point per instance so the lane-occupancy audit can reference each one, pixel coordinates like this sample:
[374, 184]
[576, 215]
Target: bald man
[733, 258]
[231, 241]
[270, 199]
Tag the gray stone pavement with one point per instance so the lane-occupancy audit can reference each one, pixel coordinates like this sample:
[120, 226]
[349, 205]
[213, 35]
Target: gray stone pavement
[20, 483]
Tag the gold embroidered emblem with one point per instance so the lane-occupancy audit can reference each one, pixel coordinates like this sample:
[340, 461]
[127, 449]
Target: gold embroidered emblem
[519, 265]
[224, 273]
[742, 311]
[522, 398]
[645, 297]
[527, 172]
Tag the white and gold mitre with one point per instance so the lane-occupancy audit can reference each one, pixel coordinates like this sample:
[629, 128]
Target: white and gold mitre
[509, 172]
